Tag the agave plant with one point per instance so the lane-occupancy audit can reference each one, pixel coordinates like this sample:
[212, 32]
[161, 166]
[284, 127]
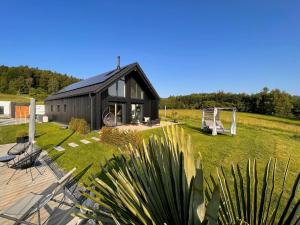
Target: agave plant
[248, 200]
[157, 184]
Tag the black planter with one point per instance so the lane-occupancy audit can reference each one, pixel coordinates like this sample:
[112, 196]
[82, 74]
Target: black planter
[22, 139]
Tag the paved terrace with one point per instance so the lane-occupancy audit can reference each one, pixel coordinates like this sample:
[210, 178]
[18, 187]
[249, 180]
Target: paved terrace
[141, 127]
[21, 184]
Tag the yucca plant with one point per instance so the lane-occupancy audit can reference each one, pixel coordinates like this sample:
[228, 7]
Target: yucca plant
[157, 184]
[249, 200]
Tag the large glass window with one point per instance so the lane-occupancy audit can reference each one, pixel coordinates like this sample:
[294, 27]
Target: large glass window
[1, 110]
[136, 113]
[117, 88]
[118, 111]
[136, 90]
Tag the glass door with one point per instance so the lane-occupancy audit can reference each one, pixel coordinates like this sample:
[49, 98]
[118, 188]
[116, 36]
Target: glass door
[118, 111]
[120, 114]
[137, 113]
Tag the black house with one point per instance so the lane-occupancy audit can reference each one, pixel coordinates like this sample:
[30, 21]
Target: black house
[124, 94]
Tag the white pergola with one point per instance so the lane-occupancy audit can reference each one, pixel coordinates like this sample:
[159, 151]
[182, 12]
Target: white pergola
[211, 120]
[31, 129]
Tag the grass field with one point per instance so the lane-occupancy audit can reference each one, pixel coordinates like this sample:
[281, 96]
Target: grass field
[258, 136]
[16, 98]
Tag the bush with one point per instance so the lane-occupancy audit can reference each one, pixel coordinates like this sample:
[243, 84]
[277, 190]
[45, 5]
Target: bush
[79, 125]
[120, 138]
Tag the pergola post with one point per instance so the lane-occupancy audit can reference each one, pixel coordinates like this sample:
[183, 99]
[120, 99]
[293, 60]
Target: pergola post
[214, 130]
[233, 123]
[31, 130]
[203, 121]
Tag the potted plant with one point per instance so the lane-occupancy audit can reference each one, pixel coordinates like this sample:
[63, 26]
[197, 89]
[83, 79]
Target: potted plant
[22, 137]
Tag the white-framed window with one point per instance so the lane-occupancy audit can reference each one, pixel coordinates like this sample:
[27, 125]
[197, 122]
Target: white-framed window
[118, 88]
[136, 91]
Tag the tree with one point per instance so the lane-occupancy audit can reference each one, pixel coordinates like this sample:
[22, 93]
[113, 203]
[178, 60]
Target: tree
[53, 85]
[23, 79]
[282, 103]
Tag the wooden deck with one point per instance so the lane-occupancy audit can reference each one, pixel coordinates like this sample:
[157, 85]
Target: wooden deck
[22, 184]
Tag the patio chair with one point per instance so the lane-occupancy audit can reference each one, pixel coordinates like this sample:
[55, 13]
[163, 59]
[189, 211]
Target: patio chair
[18, 148]
[29, 161]
[33, 202]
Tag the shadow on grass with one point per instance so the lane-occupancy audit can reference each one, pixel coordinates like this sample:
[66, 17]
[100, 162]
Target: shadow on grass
[39, 135]
[78, 176]
[50, 146]
[116, 163]
[57, 156]
[205, 132]
[197, 129]
[73, 183]
[65, 139]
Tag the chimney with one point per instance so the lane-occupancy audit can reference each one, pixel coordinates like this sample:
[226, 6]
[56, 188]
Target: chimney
[118, 62]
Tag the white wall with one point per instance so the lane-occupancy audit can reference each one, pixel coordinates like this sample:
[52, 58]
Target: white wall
[40, 109]
[7, 107]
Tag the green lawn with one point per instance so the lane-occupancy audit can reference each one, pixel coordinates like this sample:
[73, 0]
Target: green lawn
[16, 98]
[258, 136]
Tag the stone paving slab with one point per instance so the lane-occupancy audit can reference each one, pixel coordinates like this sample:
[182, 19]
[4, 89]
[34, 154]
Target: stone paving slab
[95, 138]
[85, 141]
[59, 148]
[73, 145]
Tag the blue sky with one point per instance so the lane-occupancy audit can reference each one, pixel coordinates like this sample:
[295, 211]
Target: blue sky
[183, 46]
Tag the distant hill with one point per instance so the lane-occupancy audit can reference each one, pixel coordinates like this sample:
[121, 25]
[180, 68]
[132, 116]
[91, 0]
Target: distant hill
[33, 82]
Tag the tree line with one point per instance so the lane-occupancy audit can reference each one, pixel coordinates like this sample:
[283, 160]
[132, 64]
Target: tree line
[34, 82]
[269, 102]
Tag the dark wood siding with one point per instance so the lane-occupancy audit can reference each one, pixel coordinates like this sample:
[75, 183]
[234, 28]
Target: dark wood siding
[79, 107]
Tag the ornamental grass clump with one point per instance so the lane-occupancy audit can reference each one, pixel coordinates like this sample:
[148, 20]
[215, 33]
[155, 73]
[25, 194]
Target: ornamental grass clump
[120, 138]
[79, 125]
[159, 183]
[246, 199]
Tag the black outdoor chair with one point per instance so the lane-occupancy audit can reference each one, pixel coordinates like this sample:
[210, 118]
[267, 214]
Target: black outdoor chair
[18, 148]
[30, 160]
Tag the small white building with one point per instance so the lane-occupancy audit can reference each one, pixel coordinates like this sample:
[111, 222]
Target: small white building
[40, 109]
[5, 108]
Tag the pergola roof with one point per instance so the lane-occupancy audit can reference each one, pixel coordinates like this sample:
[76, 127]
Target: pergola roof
[221, 108]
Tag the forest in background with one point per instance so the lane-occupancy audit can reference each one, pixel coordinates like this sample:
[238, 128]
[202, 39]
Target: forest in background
[269, 102]
[37, 83]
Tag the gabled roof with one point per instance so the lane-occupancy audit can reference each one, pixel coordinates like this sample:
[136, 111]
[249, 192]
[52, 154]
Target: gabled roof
[99, 82]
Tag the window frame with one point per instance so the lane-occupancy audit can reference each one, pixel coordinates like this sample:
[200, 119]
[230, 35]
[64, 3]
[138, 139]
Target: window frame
[136, 86]
[116, 89]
